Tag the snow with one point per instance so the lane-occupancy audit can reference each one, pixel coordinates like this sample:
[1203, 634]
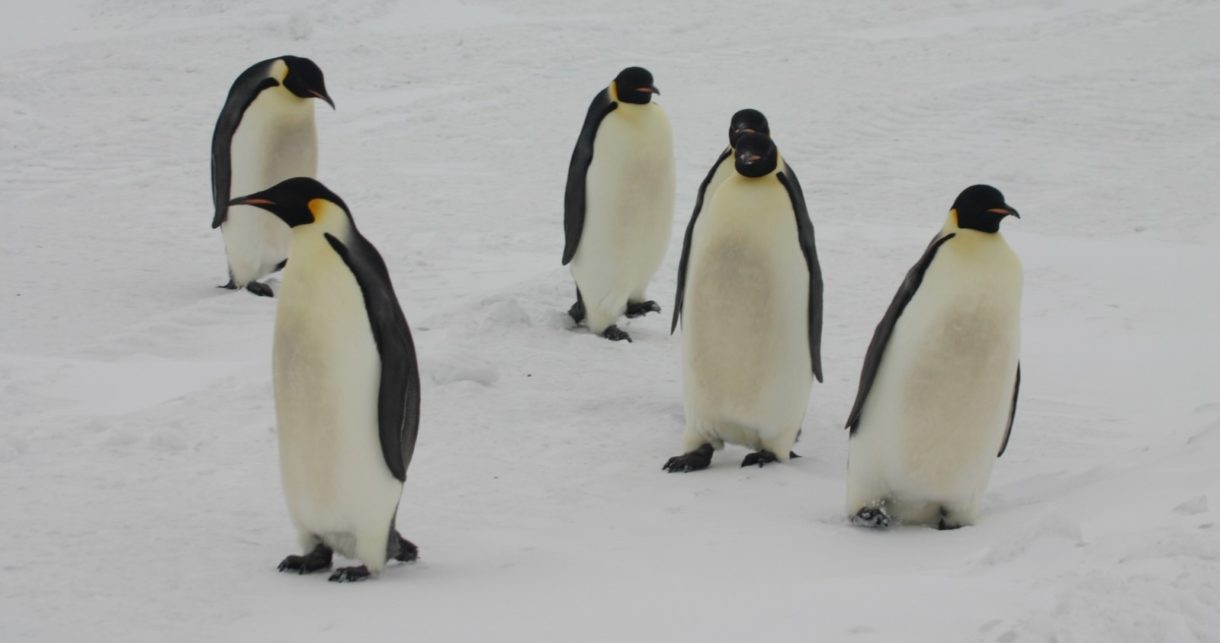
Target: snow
[139, 486]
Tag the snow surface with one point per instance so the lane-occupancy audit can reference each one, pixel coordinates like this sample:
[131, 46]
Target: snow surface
[139, 489]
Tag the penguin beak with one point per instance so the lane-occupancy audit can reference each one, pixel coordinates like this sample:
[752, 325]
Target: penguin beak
[649, 90]
[252, 200]
[318, 94]
[1005, 211]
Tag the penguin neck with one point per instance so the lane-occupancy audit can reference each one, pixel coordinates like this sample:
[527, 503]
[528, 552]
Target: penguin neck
[969, 238]
[288, 106]
[312, 238]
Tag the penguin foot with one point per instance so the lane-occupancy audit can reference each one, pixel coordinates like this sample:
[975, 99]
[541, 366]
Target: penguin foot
[407, 551]
[577, 311]
[349, 574]
[260, 289]
[945, 524]
[616, 334]
[229, 286]
[874, 517]
[314, 561]
[763, 457]
[700, 458]
[641, 308]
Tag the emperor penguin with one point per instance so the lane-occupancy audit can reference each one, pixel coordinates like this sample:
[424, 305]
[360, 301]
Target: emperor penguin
[265, 134]
[346, 386]
[751, 314]
[618, 205]
[745, 121]
[938, 391]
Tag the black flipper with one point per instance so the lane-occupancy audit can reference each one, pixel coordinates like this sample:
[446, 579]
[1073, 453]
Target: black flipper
[690, 232]
[881, 336]
[582, 156]
[804, 227]
[1012, 411]
[243, 92]
[398, 400]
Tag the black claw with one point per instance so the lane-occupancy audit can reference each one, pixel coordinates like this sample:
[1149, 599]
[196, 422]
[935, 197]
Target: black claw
[616, 334]
[792, 455]
[407, 551]
[350, 574]
[314, 561]
[260, 289]
[639, 309]
[700, 458]
[759, 458]
[874, 517]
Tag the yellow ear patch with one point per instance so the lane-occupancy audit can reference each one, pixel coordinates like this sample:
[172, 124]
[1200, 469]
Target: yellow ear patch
[317, 207]
[953, 217]
[614, 90]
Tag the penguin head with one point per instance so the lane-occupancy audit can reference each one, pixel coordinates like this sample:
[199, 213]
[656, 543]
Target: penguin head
[634, 85]
[747, 121]
[304, 79]
[981, 207]
[298, 202]
[755, 155]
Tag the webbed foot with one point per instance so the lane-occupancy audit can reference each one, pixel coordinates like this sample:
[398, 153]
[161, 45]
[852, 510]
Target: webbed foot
[700, 458]
[874, 517]
[260, 289]
[641, 308]
[616, 334]
[314, 561]
[350, 574]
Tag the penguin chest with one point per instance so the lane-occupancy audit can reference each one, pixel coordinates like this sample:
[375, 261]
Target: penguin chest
[276, 140]
[745, 312]
[629, 192]
[955, 352]
[327, 379]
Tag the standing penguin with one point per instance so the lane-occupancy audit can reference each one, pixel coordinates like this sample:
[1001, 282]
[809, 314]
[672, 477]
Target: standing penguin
[745, 121]
[751, 314]
[618, 206]
[938, 391]
[265, 134]
[346, 386]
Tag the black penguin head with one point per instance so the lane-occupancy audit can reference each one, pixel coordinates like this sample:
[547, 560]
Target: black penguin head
[981, 207]
[747, 121]
[305, 79]
[634, 85]
[297, 202]
[755, 155]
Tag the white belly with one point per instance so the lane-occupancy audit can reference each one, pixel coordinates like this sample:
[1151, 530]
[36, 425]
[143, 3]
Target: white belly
[628, 212]
[327, 377]
[746, 364]
[938, 410]
[276, 140]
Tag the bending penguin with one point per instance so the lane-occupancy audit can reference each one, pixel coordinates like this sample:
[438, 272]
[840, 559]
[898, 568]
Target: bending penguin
[265, 134]
[938, 391]
[745, 121]
[346, 386]
[751, 310]
[618, 205]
